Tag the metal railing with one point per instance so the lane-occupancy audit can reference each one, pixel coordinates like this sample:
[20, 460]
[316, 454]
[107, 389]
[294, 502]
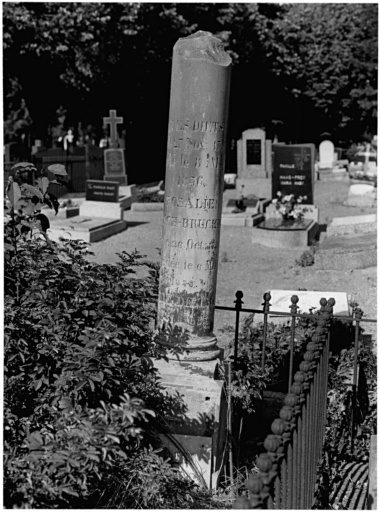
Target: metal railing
[288, 469]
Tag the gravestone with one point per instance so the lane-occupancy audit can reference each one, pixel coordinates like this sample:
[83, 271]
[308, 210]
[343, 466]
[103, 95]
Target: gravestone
[361, 195]
[293, 171]
[103, 199]
[293, 174]
[190, 243]
[114, 164]
[329, 165]
[326, 155]
[253, 159]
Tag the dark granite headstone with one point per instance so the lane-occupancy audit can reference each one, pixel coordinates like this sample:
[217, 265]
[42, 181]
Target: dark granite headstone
[107, 191]
[293, 171]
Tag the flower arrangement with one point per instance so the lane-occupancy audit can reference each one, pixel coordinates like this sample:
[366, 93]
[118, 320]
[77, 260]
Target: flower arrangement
[290, 207]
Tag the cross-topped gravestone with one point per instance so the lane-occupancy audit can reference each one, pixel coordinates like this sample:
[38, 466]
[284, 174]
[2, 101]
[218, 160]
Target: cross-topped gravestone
[114, 163]
[113, 121]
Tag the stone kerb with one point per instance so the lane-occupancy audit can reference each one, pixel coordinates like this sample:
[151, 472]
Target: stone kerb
[359, 224]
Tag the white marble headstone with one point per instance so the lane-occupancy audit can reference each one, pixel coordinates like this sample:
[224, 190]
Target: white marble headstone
[326, 154]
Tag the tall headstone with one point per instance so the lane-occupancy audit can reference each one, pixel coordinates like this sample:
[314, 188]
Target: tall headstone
[194, 190]
[114, 163]
[254, 159]
[293, 171]
[191, 231]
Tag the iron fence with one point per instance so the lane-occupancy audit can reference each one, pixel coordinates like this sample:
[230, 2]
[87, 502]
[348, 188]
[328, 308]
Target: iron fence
[288, 468]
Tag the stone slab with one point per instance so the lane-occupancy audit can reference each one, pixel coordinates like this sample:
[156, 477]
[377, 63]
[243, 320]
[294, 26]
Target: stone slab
[285, 239]
[86, 228]
[359, 224]
[147, 207]
[281, 300]
[361, 201]
[104, 209]
[347, 252]
[241, 219]
[372, 486]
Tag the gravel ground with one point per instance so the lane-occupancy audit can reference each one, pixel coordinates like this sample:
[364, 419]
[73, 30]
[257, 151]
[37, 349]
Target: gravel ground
[252, 268]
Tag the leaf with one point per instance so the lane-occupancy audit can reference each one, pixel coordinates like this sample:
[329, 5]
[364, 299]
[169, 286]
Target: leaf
[29, 209]
[44, 222]
[43, 183]
[33, 191]
[14, 193]
[58, 169]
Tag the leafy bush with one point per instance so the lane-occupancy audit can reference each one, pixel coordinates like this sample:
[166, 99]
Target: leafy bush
[82, 401]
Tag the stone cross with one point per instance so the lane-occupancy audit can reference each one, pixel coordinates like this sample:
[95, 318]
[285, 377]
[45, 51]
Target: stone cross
[194, 191]
[113, 121]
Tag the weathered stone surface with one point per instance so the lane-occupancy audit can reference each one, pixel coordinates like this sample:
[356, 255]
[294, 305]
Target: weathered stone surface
[194, 190]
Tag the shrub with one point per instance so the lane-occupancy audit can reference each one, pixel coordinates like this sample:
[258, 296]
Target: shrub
[82, 400]
[307, 257]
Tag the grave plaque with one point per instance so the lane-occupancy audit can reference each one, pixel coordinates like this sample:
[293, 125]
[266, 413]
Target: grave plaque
[114, 162]
[253, 152]
[107, 191]
[293, 171]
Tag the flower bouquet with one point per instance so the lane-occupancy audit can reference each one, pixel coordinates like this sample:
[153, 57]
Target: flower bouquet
[289, 207]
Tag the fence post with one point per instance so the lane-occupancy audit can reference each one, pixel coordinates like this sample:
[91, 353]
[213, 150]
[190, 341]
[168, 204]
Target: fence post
[267, 297]
[293, 311]
[238, 305]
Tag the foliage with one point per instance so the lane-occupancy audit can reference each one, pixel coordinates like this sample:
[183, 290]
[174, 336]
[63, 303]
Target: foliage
[289, 206]
[82, 401]
[307, 257]
[144, 196]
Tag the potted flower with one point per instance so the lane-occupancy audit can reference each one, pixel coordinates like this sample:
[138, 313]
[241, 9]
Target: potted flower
[289, 206]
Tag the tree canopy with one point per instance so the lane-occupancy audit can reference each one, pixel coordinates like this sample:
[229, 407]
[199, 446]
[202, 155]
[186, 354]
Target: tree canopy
[298, 69]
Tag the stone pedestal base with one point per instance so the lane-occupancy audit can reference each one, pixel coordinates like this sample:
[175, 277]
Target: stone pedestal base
[195, 348]
[197, 437]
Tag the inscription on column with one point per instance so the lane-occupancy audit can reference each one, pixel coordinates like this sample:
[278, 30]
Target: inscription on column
[192, 221]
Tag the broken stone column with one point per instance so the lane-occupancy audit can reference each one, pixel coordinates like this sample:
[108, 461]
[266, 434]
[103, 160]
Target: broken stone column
[193, 194]
[190, 237]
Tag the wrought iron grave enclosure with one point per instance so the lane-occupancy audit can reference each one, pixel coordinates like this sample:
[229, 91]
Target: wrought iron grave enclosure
[288, 468]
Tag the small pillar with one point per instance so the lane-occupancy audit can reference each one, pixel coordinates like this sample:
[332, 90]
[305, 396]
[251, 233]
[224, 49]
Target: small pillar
[193, 193]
